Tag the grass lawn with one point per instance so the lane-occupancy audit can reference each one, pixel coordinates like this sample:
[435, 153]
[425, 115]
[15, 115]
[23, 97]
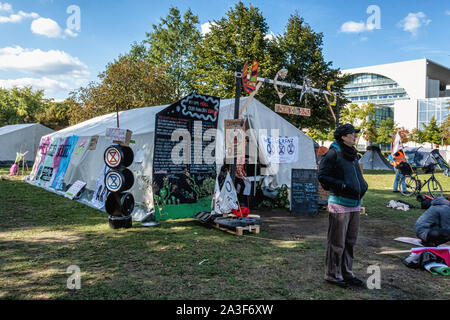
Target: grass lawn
[42, 234]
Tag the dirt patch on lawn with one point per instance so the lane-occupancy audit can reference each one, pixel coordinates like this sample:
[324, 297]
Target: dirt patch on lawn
[375, 235]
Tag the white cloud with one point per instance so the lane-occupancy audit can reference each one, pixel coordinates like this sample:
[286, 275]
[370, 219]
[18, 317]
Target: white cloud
[53, 88]
[46, 27]
[50, 28]
[44, 63]
[49, 85]
[270, 36]
[355, 27]
[206, 27]
[447, 12]
[413, 21]
[5, 7]
[70, 33]
[17, 17]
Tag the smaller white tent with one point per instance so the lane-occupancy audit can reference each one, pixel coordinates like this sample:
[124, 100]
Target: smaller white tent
[20, 138]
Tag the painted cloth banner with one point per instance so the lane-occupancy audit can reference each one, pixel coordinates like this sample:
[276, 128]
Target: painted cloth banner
[45, 172]
[101, 192]
[227, 199]
[65, 154]
[40, 157]
[57, 159]
[280, 149]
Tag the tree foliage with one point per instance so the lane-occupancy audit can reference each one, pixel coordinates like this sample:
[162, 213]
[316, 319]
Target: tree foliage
[432, 132]
[25, 105]
[386, 131]
[127, 83]
[172, 44]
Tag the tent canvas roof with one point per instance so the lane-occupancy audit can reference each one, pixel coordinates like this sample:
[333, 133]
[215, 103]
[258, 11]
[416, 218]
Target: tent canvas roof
[20, 138]
[15, 127]
[373, 159]
[86, 165]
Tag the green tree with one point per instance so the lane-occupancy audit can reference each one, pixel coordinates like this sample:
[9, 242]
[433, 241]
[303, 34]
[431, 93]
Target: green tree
[54, 115]
[432, 132]
[232, 40]
[386, 131]
[127, 83]
[172, 44]
[359, 116]
[445, 128]
[20, 105]
[371, 133]
[417, 135]
[241, 36]
[299, 50]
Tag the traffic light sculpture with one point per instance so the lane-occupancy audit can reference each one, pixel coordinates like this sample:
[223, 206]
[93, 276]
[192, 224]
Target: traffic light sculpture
[119, 203]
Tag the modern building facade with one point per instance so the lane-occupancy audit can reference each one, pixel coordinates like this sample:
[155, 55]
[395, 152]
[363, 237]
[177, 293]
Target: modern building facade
[410, 92]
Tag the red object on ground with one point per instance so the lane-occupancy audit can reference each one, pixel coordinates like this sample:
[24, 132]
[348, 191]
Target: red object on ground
[444, 253]
[244, 212]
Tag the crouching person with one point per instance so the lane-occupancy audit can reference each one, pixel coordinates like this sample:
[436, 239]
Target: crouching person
[340, 173]
[433, 226]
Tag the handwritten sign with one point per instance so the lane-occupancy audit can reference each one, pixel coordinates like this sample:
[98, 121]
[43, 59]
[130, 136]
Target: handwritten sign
[281, 108]
[75, 189]
[119, 135]
[304, 191]
[235, 139]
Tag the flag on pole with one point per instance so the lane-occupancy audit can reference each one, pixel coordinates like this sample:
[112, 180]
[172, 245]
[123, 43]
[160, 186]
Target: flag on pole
[397, 143]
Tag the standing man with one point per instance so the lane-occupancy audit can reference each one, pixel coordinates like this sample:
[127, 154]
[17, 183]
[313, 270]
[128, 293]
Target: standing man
[396, 159]
[340, 173]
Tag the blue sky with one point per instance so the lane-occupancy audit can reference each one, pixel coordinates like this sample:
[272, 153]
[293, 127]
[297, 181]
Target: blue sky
[39, 47]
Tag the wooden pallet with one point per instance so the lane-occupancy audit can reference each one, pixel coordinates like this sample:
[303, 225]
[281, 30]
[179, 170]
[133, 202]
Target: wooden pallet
[240, 230]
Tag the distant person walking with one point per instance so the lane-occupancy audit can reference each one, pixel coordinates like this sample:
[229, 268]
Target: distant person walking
[396, 159]
[340, 173]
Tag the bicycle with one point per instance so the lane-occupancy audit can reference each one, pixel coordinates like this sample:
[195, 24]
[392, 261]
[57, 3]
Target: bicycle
[413, 183]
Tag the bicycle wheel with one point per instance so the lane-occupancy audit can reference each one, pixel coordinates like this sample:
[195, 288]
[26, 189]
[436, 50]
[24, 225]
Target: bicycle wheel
[435, 188]
[411, 186]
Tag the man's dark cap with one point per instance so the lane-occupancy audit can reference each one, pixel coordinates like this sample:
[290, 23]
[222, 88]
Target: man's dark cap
[345, 129]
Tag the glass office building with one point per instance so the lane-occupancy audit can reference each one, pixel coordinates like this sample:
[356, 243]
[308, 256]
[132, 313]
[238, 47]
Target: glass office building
[432, 107]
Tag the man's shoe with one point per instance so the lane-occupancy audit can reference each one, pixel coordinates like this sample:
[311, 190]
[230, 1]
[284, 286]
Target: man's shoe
[395, 191]
[354, 282]
[342, 284]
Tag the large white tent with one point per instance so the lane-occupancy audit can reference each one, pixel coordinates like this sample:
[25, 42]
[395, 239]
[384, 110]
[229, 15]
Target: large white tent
[87, 162]
[20, 138]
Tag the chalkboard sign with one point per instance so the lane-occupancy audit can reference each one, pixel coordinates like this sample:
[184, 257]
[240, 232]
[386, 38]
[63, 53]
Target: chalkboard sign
[183, 176]
[304, 191]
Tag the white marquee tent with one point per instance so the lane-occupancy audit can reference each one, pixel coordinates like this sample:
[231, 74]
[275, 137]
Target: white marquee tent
[20, 138]
[87, 165]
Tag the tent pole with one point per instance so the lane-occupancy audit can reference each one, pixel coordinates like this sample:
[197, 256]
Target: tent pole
[237, 96]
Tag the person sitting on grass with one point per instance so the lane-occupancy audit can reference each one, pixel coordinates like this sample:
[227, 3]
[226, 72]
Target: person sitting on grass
[433, 226]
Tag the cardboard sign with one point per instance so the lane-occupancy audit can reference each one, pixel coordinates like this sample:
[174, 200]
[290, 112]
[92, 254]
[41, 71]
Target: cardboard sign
[75, 189]
[93, 143]
[235, 139]
[119, 135]
[293, 110]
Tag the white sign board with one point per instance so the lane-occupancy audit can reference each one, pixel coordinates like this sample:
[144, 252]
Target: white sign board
[280, 149]
[117, 134]
[75, 189]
